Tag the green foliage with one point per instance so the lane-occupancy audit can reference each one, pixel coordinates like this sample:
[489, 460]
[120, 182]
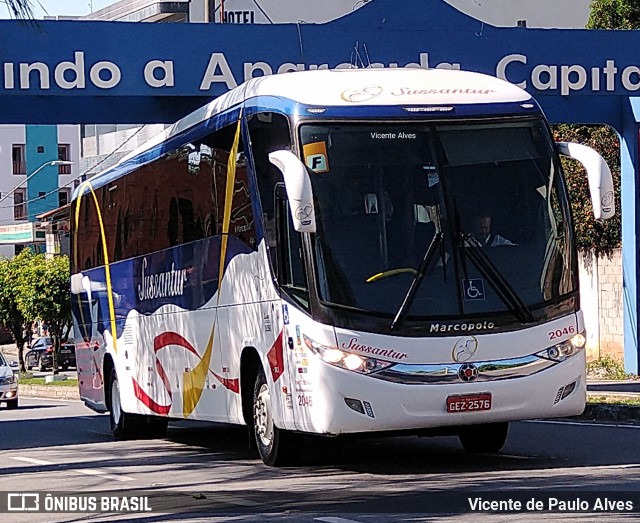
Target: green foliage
[600, 237]
[10, 313]
[614, 14]
[606, 368]
[71, 382]
[43, 292]
[592, 236]
[612, 400]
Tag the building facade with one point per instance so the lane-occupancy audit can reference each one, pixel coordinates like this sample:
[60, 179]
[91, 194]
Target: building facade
[29, 186]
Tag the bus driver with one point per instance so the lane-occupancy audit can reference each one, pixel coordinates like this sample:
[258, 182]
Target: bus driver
[482, 232]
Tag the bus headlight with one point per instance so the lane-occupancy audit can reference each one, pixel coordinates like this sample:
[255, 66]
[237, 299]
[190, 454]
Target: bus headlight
[353, 362]
[579, 340]
[564, 350]
[346, 360]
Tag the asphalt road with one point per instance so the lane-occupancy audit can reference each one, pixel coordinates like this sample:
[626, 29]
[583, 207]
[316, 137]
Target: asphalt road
[51, 445]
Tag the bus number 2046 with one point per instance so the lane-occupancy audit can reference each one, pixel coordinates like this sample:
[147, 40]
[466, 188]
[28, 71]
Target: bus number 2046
[558, 333]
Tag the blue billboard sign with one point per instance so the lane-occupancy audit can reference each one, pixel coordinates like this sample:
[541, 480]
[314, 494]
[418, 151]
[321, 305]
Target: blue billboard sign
[158, 72]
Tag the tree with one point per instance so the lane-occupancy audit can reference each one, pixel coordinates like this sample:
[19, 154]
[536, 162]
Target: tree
[593, 236]
[43, 292]
[614, 14]
[10, 313]
[598, 237]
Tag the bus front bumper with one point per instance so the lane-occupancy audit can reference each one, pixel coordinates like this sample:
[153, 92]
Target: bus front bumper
[351, 403]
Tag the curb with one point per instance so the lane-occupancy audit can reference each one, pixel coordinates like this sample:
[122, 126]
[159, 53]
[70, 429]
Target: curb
[49, 391]
[611, 412]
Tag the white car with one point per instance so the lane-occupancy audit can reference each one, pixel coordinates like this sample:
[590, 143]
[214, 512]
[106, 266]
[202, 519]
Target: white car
[8, 384]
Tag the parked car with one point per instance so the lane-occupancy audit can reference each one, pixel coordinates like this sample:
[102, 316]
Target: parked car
[40, 355]
[8, 384]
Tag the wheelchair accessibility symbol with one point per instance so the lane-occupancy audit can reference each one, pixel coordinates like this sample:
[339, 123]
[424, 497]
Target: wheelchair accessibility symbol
[473, 289]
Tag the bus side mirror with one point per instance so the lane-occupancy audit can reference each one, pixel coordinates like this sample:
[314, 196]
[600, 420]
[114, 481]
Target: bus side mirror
[598, 174]
[299, 191]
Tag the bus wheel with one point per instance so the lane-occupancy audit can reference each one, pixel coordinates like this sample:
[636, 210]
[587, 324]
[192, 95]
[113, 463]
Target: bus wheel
[277, 447]
[488, 438]
[123, 424]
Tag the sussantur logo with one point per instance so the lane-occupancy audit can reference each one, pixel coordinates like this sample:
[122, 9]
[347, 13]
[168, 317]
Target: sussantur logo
[464, 349]
[363, 94]
[304, 211]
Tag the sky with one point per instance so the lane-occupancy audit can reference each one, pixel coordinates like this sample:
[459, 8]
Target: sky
[42, 8]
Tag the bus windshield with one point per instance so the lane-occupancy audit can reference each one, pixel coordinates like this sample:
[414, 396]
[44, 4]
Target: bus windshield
[439, 220]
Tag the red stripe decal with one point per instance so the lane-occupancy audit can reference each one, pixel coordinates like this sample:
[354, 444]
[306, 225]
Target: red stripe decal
[233, 384]
[172, 338]
[146, 399]
[275, 357]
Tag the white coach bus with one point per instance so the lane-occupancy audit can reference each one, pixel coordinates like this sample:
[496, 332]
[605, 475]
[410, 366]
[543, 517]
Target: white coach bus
[333, 252]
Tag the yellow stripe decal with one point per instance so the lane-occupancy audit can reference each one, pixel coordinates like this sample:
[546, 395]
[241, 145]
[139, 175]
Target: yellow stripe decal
[105, 253]
[194, 380]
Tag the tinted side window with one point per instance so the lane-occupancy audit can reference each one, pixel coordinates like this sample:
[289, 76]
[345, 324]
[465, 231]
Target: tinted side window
[176, 199]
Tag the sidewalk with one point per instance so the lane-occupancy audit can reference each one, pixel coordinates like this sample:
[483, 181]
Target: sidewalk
[618, 387]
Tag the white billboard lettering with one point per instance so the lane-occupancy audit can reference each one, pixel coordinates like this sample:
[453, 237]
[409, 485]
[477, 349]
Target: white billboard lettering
[424, 62]
[544, 77]
[518, 69]
[501, 68]
[595, 78]
[8, 76]
[288, 67]
[27, 69]
[610, 71]
[113, 75]
[249, 68]
[447, 65]
[166, 70]
[216, 61]
[572, 78]
[627, 82]
[77, 69]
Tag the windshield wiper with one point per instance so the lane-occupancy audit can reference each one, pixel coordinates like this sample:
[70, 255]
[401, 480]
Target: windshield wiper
[502, 287]
[436, 243]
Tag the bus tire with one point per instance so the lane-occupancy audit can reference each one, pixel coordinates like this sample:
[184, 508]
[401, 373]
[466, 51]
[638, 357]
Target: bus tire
[276, 447]
[488, 438]
[124, 425]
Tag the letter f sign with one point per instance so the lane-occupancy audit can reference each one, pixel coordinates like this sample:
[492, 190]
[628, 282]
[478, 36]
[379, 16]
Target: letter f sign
[317, 163]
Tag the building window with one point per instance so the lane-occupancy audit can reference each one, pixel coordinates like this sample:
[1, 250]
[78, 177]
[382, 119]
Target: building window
[64, 154]
[19, 160]
[19, 204]
[64, 195]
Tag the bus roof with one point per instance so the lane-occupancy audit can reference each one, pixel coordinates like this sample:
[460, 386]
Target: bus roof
[349, 88]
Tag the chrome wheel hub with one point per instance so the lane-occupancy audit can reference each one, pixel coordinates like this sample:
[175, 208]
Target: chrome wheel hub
[116, 411]
[262, 416]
